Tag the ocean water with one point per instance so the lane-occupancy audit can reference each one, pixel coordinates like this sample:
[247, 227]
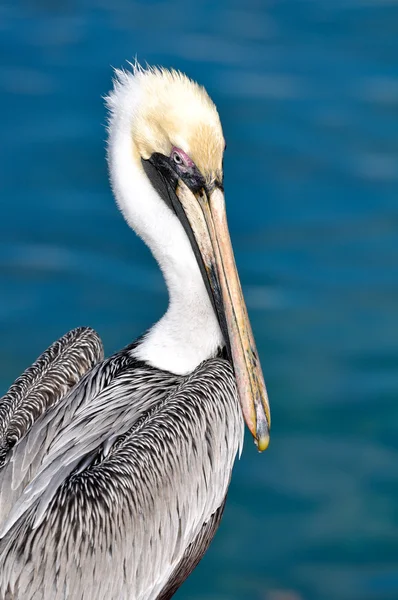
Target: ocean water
[308, 96]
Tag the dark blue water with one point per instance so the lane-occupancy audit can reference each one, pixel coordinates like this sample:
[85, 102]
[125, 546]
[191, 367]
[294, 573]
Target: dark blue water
[308, 94]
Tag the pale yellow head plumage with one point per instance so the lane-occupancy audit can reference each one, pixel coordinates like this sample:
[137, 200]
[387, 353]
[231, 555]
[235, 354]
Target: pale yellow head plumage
[175, 111]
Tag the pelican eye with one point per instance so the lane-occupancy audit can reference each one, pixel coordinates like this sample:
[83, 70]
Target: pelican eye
[186, 169]
[177, 158]
[181, 158]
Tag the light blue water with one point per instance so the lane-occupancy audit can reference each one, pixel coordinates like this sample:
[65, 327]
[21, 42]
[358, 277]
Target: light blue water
[308, 95]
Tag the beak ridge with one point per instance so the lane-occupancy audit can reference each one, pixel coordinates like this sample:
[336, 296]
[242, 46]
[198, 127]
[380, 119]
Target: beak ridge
[207, 218]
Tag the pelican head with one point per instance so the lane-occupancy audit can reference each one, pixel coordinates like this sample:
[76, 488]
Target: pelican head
[165, 154]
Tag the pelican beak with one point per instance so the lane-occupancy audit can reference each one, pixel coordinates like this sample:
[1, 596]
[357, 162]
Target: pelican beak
[207, 219]
[202, 213]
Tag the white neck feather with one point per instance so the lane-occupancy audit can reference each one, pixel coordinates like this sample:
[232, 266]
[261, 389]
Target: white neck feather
[189, 331]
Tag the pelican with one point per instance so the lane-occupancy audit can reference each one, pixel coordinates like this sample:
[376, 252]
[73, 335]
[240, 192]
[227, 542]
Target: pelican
[114, 472]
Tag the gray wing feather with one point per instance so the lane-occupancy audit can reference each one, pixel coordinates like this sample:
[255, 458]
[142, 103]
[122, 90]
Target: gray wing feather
[43, 384]
[106, 402]
[119, 528]
[192, 554]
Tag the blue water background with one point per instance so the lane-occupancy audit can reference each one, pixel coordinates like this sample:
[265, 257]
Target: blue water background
[308, 95]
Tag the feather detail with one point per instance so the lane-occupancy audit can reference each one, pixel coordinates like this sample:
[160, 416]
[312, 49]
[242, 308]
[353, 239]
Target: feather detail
[123, 523]
[43, 384]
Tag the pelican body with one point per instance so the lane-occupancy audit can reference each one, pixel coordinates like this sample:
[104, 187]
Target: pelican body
[114, 472]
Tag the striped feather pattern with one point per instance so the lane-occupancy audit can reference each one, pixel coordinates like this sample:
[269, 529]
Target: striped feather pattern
[124, 488]
[43, 384]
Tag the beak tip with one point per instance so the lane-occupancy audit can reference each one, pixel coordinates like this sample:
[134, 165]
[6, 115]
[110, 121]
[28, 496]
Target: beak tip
[261, 431]
[262, 442]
